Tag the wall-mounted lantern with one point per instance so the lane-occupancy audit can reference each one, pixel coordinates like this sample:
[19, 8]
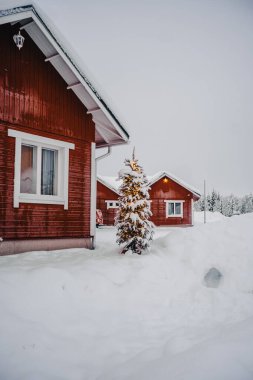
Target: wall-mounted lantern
[19, 40]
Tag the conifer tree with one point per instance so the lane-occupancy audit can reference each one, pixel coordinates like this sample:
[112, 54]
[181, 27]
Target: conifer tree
[134, 230]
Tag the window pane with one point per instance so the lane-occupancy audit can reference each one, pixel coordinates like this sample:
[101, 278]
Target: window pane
[171, 208]
[177, 208]
[28, 169]
[49, 172]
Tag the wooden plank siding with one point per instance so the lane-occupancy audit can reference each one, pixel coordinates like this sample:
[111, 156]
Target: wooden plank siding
[106, 194]
[34, 99]
[33, 94]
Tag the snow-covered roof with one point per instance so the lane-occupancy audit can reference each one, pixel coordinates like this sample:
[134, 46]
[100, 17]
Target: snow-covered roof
[109, 131]
[113, 183]
[161, 174]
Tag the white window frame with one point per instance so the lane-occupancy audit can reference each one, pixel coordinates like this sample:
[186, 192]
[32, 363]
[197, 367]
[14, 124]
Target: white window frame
[181, 215]
[113, 204]
[62, 147]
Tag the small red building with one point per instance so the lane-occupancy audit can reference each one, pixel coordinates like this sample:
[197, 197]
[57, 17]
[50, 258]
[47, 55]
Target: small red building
[107, 198]
[51, 122]
[171, 200]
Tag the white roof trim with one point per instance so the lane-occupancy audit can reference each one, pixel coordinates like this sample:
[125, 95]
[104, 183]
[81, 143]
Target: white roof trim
[160, 175]
[105, 183]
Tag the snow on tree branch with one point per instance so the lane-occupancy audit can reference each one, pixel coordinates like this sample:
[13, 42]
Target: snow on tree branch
[134, 230]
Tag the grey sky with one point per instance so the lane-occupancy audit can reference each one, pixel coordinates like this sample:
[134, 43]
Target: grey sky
[177, 74]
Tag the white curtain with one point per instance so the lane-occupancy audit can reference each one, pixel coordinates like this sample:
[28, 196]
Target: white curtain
[28, 169]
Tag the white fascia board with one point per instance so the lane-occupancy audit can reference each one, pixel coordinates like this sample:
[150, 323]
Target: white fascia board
[102, 133]
[117, 143]
[156, 178]
[78, 75]
[105, 127]
[16, 17]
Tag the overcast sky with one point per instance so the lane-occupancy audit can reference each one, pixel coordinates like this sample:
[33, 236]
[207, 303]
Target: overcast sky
[178, 75]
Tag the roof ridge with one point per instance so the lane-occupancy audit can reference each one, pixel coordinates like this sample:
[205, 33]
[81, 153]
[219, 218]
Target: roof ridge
[154, 178]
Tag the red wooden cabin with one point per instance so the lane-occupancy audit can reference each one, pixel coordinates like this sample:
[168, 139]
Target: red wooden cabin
[171, 200]
[51, 121]
[107, 198]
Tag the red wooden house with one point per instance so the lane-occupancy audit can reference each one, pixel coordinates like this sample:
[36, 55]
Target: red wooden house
[171, 200]
[51, 121]
[107, 198]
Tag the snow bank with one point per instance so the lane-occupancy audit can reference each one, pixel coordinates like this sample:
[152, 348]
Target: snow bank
[210, 217]
[80, 314]
[227, 356]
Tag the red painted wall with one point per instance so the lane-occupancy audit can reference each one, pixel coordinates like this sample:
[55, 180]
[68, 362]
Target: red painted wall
[34, 99]
[161, 191]
[106, 194]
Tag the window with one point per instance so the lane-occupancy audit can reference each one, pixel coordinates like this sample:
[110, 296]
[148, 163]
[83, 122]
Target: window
[174, 209]
[41, 169]
[112, 204]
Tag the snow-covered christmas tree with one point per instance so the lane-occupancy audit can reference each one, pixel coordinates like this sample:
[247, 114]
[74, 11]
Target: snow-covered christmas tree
[135, 231]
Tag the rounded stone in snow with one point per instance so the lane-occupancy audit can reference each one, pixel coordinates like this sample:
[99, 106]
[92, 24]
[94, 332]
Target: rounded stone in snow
[213, 278]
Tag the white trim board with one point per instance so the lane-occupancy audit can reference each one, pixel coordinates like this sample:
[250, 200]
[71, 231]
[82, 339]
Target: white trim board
[40, 139]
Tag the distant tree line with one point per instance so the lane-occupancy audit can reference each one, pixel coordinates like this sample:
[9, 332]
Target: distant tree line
[227, 205]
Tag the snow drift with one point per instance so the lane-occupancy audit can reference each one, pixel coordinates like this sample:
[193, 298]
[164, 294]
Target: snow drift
[80, 314]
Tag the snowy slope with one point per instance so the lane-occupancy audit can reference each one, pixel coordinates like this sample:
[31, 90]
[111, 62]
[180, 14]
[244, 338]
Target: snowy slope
[210, 217]
[79, 314]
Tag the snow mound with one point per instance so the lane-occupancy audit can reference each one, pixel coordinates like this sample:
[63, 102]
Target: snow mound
[210, 216]
[79, 314]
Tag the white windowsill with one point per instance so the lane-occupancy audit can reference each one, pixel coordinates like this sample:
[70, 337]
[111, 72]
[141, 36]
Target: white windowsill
[46, 199]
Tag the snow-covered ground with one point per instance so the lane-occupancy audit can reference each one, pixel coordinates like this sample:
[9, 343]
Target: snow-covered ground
[84, 315]
[210, 217]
